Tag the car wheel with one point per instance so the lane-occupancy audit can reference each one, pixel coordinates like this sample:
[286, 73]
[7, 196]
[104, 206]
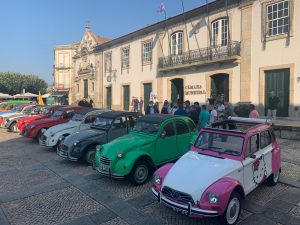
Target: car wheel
[90, 155]
[273, 179]
[14, 127]
[233, 210]
[140, 173]
[38, 136]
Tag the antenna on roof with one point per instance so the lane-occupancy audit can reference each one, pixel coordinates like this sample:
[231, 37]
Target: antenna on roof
[87, 27]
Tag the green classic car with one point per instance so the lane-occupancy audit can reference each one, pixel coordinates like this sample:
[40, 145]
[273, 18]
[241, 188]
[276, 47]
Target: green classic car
[154, 141]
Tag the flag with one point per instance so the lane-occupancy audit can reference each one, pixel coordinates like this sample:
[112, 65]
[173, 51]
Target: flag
[162, 8]
[40, 99]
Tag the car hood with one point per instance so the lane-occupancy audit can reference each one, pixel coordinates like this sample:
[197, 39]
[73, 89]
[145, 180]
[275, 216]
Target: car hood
[126, 143]
[82, 135]
[35, 117]
[193, 173]
[61, 127]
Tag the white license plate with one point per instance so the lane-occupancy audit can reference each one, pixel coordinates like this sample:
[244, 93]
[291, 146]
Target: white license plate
[182, 211]
[104, 167]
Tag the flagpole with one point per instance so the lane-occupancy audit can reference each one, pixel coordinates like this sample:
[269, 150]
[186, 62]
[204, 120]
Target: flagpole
[187, 38]
[166, 28]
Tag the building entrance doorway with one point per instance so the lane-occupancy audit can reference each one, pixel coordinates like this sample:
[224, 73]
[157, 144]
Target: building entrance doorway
[278, 81]
[126, 97]
[108, 97]
[177, 90]
[147, 91]
[220, 87]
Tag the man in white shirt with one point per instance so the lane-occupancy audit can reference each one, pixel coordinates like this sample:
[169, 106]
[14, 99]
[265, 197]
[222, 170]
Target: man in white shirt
[213, 114]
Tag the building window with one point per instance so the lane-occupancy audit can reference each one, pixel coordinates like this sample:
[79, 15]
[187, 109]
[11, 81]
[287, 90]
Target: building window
[93, 86]
[107, 62]
[220, 27]
[77, 87]
[125, 57]
[176, 43]
[278, 18]
[147, 52]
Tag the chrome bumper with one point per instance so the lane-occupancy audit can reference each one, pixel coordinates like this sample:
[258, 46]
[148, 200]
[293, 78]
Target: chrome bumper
[65, 155]
[187, 210]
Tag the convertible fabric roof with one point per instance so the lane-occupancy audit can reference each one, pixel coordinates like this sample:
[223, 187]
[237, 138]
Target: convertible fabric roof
[114, 114]
[157, 118]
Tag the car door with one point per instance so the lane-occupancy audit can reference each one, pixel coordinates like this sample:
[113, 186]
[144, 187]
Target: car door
[118, 128]
[166, 144]
[253, 165]
[183, 136]
[267, 149]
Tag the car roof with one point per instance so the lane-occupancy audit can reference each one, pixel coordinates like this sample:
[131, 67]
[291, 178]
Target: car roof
[159, 118]
[84, 111]
[113, 114]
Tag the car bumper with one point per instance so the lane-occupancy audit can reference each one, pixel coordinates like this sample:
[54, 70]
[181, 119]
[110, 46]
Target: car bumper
[187, 210]
[108, 173]
[65, 155]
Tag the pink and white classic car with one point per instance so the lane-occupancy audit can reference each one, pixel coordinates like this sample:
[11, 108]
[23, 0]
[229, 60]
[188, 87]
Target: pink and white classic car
[226, 162]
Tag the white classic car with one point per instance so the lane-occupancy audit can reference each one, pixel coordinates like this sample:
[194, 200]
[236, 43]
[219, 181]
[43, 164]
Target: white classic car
[226, 162]
[82, 120]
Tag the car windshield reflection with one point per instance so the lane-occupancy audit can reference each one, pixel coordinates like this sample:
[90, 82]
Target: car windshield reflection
[221, 143]
[146, 127]
[101, 123]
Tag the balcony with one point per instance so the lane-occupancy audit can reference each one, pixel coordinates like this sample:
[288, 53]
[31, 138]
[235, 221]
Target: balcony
[203, 56]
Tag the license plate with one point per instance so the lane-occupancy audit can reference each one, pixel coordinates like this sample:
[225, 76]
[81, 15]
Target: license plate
[104, 167]
[182, 211]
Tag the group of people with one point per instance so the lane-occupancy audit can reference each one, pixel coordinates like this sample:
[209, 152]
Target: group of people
[136, 104]
[84, 103]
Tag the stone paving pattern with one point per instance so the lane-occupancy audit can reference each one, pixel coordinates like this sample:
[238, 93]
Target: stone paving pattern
[37, 187]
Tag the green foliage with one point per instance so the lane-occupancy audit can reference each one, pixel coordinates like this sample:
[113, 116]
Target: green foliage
[242, 110]
[14, 83]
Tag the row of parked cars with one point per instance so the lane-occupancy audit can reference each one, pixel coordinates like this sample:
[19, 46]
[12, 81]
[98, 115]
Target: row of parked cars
[199, 174]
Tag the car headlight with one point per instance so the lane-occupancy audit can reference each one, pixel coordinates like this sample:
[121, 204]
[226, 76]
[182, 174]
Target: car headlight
[98, 148]
[213, 198]
[76, 143]
[120, 154]
[157, 179]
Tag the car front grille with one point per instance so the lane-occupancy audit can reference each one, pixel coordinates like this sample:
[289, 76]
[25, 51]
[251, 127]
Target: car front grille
[105, 161]
[177, 196]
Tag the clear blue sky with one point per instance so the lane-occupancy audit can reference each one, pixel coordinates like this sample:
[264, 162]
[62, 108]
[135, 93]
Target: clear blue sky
[30, 29]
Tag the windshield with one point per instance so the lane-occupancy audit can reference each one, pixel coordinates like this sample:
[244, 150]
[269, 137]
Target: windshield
[146, 127]
[77, 117]
[221, 143]
[57, 114]
[102, 123]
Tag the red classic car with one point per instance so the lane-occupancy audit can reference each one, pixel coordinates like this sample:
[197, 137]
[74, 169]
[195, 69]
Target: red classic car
[47, 112]
[36, 128]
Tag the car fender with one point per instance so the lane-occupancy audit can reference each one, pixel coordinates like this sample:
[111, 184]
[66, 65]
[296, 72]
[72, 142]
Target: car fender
[84, 145]
[162, 172]
[223, 188]
[124, 165]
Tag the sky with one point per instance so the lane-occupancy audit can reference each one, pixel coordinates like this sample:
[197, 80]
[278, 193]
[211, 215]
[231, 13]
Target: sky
[30, 29]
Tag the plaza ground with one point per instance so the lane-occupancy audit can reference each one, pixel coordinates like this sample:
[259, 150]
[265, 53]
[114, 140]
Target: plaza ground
[39, 188]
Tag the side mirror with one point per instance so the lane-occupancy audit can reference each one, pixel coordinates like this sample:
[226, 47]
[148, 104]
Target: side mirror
[253, 156]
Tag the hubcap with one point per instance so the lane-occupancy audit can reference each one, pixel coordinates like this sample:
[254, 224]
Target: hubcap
[233, 209]
[141, 174]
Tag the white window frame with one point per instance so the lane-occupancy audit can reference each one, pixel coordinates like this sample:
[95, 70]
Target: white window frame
[278, 20]
[147, 51]
[220, 32]
[177, 43]
[125, 57]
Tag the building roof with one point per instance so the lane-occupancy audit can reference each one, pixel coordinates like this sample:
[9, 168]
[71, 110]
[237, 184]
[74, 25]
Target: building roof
[99, 39]
[197, 12]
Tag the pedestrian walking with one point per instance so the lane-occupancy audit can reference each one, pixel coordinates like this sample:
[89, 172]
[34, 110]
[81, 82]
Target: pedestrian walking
[141, 104]
[273, 105]
[253, 112]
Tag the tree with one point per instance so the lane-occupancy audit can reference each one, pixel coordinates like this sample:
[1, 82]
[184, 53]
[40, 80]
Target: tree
[14, 83]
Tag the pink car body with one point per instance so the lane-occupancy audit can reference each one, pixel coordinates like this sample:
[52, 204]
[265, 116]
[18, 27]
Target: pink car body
[223, 166]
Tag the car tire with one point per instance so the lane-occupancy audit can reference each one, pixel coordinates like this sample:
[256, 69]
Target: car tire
[233, 210]
[90, 155]
[273, 179]
[38, 136]
[13, 127]
[140, 173]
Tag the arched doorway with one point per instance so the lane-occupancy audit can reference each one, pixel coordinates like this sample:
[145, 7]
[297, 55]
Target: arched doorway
[176, 90]
[220, 86]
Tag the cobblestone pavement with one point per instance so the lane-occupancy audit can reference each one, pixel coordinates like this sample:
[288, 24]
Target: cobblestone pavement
[39, 188]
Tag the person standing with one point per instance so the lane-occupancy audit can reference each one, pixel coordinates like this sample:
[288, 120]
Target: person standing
[166, 109]
[204, 117]
[187, 106]
[220, 110]
[180, 111]
[253, 112]
[228, 110]
[273, 105]
[213, 114]
[135, 105]
[141, 103]
[194, 115]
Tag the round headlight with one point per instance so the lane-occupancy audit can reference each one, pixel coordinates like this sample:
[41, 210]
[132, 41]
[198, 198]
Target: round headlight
[75, 143]
[157, 179]
[120, 155]
[213, 198]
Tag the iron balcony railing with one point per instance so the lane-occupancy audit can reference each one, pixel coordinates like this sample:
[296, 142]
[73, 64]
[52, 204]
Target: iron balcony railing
[201, 56]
